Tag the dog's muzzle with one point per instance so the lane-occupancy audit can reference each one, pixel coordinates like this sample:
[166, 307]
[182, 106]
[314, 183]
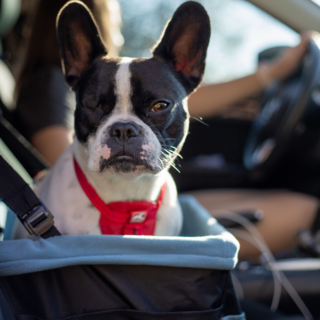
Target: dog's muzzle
[125, 140]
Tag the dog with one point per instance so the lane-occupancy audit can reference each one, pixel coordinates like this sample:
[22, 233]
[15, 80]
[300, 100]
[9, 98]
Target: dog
[131, 120]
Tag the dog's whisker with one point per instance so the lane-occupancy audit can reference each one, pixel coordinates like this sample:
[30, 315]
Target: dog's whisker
[165, 154]
[200, 120]
[161, 163]
[173, 153]
[171, 164]
[175, 148]
[177, 154]
[166, 151]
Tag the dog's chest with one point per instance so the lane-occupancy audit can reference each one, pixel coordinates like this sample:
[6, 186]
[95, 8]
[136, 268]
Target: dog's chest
[74, 213]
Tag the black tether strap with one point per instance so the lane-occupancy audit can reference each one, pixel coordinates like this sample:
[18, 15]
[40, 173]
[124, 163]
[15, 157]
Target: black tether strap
[20, 198]
[25, 153]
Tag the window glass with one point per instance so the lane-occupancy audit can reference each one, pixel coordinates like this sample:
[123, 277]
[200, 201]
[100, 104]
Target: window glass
[239, 32]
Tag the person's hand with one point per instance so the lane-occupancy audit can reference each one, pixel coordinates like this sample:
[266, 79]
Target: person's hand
[283, 66]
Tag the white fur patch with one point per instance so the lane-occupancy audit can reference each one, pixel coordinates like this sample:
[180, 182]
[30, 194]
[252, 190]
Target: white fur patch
[147, 146]
[96, 150]
[106, 152]
[123, 87]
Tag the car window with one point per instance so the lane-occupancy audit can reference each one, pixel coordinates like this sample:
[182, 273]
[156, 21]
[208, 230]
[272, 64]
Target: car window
[239, 32]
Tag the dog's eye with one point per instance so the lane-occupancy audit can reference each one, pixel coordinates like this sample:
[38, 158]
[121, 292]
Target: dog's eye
[159, 106]
[93, 106]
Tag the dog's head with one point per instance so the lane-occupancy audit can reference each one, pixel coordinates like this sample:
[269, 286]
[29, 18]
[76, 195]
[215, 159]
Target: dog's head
[131, 114]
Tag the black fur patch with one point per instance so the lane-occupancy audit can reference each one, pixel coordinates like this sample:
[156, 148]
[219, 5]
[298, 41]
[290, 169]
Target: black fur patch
[95, 97]
[153, 81]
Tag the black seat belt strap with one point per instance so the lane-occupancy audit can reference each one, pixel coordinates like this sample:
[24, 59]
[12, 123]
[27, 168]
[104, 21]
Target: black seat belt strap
[20, 198]
[25, 153]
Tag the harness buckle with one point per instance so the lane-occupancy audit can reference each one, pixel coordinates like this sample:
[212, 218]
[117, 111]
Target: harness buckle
[38, 221]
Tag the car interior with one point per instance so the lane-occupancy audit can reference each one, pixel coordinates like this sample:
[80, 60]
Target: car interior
[279, 149]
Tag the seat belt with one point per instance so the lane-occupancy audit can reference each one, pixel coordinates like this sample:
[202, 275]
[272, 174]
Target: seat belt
[30, 159]
[21, 199]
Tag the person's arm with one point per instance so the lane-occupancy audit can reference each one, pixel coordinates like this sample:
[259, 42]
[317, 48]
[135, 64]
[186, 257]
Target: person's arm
[45, 110]
[52, 141]
[210, 100]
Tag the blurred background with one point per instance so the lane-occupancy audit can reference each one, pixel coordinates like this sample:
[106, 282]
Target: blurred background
[239, 32]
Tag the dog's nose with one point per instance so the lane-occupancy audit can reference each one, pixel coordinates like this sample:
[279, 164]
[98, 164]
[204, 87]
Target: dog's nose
[123, 131]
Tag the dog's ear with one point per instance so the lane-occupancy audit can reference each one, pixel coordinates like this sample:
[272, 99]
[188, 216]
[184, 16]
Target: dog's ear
[79, 40]
[184, 43]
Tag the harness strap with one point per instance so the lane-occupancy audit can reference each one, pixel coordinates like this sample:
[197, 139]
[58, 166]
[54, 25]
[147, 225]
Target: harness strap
[20, 198]
[122, 217]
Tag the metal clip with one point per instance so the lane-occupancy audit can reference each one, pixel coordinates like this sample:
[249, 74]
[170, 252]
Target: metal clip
[38, 221]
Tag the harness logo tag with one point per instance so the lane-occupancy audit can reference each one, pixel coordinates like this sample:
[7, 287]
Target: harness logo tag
[138, 217]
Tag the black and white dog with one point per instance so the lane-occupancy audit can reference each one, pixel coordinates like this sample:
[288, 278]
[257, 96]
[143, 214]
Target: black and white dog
[131, 121]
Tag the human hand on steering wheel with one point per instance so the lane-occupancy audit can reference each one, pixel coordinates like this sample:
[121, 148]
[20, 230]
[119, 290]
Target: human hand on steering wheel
[285, 64]
[285, 103]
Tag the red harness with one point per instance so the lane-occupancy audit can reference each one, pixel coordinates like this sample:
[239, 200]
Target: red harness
[137, 217]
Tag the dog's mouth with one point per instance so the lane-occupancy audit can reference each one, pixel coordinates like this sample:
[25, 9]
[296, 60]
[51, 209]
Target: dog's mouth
[124, 162]
[124, 157]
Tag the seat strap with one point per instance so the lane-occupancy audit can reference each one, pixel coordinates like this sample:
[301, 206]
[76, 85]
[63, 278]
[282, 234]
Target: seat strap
[21, 199]
[29, 158]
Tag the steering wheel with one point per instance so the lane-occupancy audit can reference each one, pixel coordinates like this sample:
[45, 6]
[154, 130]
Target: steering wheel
[282, 109]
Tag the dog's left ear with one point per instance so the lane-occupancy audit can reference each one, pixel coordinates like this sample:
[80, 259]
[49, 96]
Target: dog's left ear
[79, 40]
[184, 43]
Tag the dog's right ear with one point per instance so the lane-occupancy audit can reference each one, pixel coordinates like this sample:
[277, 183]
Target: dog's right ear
[79, 40]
